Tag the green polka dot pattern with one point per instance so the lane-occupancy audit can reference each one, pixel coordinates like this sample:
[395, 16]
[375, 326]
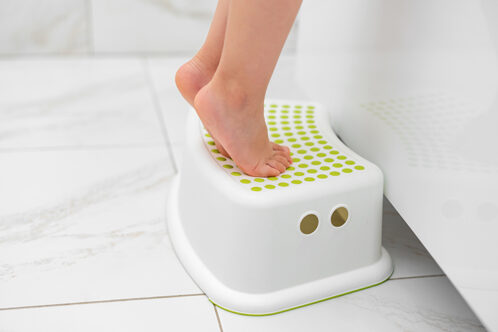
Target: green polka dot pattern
[315, 158]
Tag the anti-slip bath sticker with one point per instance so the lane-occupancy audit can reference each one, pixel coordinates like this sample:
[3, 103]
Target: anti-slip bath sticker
[314, 157]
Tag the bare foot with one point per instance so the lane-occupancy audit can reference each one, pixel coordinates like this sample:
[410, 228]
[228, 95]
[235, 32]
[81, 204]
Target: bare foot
[237, 120]
[190, 78]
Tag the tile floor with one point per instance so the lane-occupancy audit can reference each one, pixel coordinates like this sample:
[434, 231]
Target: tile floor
[88, 148]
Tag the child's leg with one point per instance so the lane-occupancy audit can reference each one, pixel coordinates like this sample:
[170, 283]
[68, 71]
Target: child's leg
[199, 70]
[231, 104]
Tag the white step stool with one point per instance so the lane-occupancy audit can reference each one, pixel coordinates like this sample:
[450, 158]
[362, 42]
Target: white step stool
[260, 246]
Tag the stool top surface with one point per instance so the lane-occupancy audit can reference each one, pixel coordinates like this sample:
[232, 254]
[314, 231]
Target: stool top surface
[315, 158]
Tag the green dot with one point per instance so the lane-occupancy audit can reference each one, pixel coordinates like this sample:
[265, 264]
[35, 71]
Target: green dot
[288, 133]
[297, 111]
[322, 142]
[308, 157]
[312, 171]
[279, 141]
[305, 138]
[309, 116]
[228, 166]
[310, 107]
[291, 168]
[334, 152]
[215, 151]
[207, 135]
[309, 143]
[286, 106]
[299, 127]
[309, 179]
[299, 173]
[347, 170]
[312, 126]
[350, 162]
[272, 117]
[298, 122]
[245, 181]
[273, 129]
[298, 106]
[275, 135]
[321, 154]
[314, 132]
[315, 149]
[272, 111]
[256, 188]
[342, 157]
[359, 167]
[322, 176]
[284, 116]
[221, 158]
[301, 132]
[283, 184]
[270, 186]
[285, 176]
[335, 173]
[272, 123]
[324, 168]
[316, 162]
[285, 111]
[211, 142]
[292, 139]
[327, 147]
[337, 165]
[273, 105]
[236, 174]
[273, 178]
[296, 160]
[286, 128]
[296, 181]
[303, 165]
[285, 122]
[329, 160]
[296, 145]
[301, 151]
[297, 116]
[310, 121]
[259, 180]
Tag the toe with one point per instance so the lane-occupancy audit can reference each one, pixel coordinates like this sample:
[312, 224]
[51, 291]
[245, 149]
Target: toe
[276, 165]
[282, 159]
[284, 150]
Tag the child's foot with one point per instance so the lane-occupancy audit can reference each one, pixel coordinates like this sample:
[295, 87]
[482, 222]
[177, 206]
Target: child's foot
[238, 122]
[190, 78]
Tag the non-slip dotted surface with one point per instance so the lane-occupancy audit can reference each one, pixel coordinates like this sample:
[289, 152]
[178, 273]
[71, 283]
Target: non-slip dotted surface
[314, 158]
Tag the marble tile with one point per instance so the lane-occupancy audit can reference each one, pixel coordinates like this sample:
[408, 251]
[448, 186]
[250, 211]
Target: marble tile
[420, 304]
[150, 25]
[48, 27]
[86, 225]
[76, 102]
[181, 314]
[409, 256]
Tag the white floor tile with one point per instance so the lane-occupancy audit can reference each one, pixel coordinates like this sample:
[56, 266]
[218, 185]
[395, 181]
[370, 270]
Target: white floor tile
[181, 314]
[409, 256]
[86, 225]
[421, 304]
[76, 102]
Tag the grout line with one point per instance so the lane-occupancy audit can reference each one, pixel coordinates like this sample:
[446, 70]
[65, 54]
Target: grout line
[217, 317]
[419, 277]
[89, 27]
[81, 147]
[101, 301]
[159, 113]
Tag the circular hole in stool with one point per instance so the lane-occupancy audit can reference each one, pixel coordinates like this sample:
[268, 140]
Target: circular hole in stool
[309, 224]
[339, 216]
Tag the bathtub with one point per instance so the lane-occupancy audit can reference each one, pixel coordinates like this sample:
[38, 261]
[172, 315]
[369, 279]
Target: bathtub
[413, 87]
